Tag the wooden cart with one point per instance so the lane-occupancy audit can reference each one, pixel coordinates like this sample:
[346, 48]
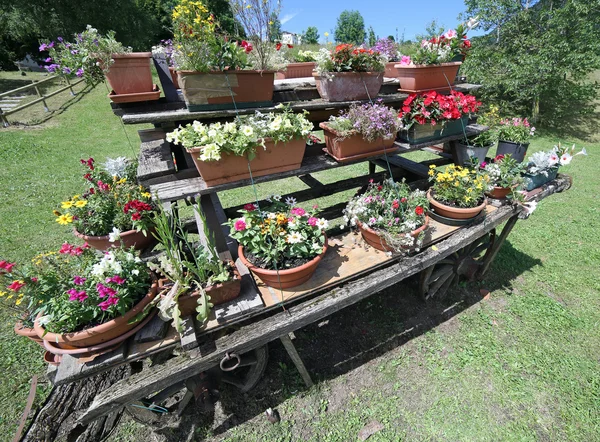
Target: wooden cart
[232, 346]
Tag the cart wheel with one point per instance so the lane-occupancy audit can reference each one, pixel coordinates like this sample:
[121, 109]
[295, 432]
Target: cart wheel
[170, 403]
[466, 262]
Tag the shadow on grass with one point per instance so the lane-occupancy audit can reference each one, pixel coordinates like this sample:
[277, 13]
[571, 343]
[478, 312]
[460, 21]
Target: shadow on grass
[348, 339]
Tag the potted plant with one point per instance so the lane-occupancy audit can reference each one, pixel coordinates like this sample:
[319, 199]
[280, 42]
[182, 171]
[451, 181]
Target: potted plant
[433, 65]
[479, 145]
[113, 209]
[348, 73]
[513, 137]
[457, 192]
[430, 115]
[542, 167]
[505, 176]
[390, 216]
[196, 278]
[389, 51]
[85, 301]
[269, 143]
[301, 65]
[363, 130]
[94, 56]
[282, 244]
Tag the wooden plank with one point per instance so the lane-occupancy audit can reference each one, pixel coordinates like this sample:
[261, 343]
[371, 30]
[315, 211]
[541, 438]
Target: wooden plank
[71, 368]
[188, 337]
[155, 330]
[295, 357]
[155, 161]
[409, 165]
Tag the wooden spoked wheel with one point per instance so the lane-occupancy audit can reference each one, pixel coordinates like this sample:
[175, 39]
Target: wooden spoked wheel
[172, 401]
[467, 262]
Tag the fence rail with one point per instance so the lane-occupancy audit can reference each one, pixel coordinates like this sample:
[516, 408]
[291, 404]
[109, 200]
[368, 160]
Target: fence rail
[42, 98]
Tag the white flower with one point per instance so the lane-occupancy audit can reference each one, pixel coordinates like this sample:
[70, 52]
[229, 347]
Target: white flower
[115, 235]
[247, 130]
[294, 238]
[471, 23]
[553, 159]
[583, 151]
[116, 166]
[322, 223]
[565, 159]
[135, 272]
[276, 197]
[292, 223]
[317, 246]
[290, 200]
[271, 215]
[212, 133]
[530, 207]
[229, 128]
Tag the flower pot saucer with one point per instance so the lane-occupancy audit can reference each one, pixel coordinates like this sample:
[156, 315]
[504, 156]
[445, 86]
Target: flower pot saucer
[375, 153]
[136, 97]
[457, 222]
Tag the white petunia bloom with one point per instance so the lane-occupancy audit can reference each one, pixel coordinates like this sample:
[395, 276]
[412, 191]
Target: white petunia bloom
[247, 130]
[565, 159]
[115, 235]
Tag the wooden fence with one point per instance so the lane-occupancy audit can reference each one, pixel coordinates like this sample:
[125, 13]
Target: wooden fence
[41, 98]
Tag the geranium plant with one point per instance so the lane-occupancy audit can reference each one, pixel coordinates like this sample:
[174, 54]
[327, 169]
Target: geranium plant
[348, 58]
[392, 210]
[371, 120]
[515, 130]
[279, 236]
[458, 186]
[112, 202]
[242, 136]
[89, 55]
[503, 171]
[434, 108]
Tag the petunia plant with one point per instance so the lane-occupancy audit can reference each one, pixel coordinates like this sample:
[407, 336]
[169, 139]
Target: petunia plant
[516, 130]
[371, 120]
[504, 171]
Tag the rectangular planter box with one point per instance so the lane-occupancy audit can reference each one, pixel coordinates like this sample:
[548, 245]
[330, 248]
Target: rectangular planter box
[535, 181]
[348, 86]
[421, 133]
[299, 70]
[354, 146]
[424, 78]
[214, 90]
[280, 157]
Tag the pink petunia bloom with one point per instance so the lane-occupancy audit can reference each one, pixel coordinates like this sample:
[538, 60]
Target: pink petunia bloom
[16, 286]
[116, 279]
[7, 265]
[66, 249]
[405, 60]
[312, 221]
[240, 225]
[104, 305]
[79, 280]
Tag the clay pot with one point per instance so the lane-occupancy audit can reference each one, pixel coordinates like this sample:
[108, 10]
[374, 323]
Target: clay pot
[425, 77]
[353, 146]
[499, 192]
[213, 90]
[348, 86]
[390, 70]
[377, 241]
[100, 333]
[288, 278]
[28, 333]
[174, 78]
[130, 73]
[129, 238]
[219, 294]
[52, 359]
[299, 70]
[280, 157]
[455, 212]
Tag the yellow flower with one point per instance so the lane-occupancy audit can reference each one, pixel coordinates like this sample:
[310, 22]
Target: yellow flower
[456, 184]
[80, 203]
[271, 23]
[326, 34]
[146, 194]
[76, 197]
[19, 301]
[65, 219]
[248, 6]
[67, 204]
[431, 172]
[281, 219]
[2, 294]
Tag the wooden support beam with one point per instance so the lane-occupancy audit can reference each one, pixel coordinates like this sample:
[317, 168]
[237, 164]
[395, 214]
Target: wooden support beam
[295, 357]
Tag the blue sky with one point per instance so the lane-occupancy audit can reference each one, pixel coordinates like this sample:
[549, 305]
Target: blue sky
[409, 16]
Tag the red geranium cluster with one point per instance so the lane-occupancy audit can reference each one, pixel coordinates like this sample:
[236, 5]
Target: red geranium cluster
[138, 208]
[433, 108]
[247, 46]
[348, 58]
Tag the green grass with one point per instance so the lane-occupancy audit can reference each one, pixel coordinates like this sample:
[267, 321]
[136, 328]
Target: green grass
[520, 366]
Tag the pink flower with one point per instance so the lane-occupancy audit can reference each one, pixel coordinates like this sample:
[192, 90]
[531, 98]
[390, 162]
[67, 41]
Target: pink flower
[7, 265]
[482, 165]
[250, 207]
[78, 280]
[405, 60]
[116, 279]
[298, 211]
[34, 279]
[77, 296]
[451, 33]
[312, 221]
[77, 251]
[240, 225]
[66, 248]
[104, 305]
[16, 286]
[104, 291]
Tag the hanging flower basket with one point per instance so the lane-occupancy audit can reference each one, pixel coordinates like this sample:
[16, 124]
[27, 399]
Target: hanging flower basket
[420, 78]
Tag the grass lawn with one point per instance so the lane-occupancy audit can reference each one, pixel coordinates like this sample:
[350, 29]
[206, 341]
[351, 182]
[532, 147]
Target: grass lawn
[521, 365]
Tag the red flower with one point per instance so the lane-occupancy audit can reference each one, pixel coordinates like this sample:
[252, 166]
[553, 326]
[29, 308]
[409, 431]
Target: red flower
[7, 265]
[290, 46]
[136, 216]
[247, 46]
[89, 162]
[379, 188]
[419, 210]
[395, 204]
[498, 158]
[250, 207]
[16, 286]
[403, 200]
[467, 43]
[278, 46]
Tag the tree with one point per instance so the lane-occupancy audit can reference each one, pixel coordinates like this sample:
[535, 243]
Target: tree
[391, 37]
[372, 37]
[350, 28]
[224, 15]
[274, 28]
[537, 57]
[310, 36]
[433, 29]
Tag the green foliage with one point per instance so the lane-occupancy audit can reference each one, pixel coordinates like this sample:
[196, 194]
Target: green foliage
[536, 60]
[310, 36]
[433, 29]
[274, 28]
[350, 28]
[372, 37]
[347, 58]
[221, 9]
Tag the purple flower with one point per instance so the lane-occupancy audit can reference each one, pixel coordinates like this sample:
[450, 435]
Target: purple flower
[96, 41]
[52, 67]
[74, 52]
[43, 47]
[66, 71]
[77, 296]
[51, 45]
[60, 39]
[48, 60]
[79, 72]
[387, 48]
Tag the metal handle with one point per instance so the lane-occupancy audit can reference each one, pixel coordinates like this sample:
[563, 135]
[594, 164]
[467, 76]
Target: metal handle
[229, 356]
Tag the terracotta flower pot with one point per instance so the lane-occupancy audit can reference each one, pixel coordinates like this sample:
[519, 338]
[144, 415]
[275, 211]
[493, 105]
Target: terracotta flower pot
[348, 86]
[100, 333]
[426, 77]
[377, 241]
[288, 278]
[130, 74]
[499, 192]
[174, 77]
[354, 146]
[390, 70]
[213, 90]
[219, 294]
[129, 238]
[52, 359]
[299, 70]
[455, 212]
[279, 157]
[27, 332]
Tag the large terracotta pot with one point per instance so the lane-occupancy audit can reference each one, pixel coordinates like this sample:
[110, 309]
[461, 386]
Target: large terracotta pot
[130, 75]
[214, 90]
[130, 238]
[174, 77]
[280, 157]
[377, 241]
[390, 70]
[349, 86]
[299, 70]
[425, 77]
[100, 333]
[455, 212]
[27, 332]
[499, 192]
[219, 294]
[284, 279]
[354, 146]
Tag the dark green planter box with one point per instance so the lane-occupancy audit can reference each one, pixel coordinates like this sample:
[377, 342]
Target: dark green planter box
[535, 181]
[422, 133]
